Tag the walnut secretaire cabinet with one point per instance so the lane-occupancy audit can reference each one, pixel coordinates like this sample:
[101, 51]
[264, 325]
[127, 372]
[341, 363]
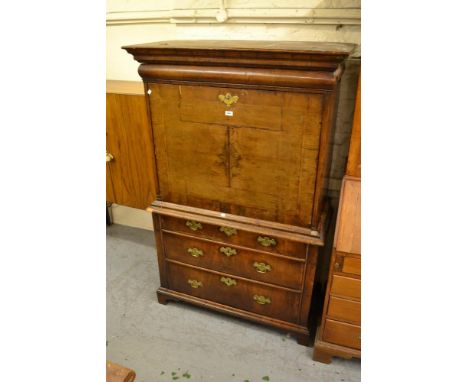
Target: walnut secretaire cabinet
[242, 134]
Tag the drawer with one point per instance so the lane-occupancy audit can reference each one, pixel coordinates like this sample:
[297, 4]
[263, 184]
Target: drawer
[344, 310]
[245, 295]
[233, 260]
[251, 108]
[351, 265]
[233, 236]
[346, 287]
[347, 264]
[343, 334]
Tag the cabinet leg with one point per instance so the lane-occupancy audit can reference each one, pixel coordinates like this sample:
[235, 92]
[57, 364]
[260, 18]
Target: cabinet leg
[303, 339]
[162, 299]
[321, 356]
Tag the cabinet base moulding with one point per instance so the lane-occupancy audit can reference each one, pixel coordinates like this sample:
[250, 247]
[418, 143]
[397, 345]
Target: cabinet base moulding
[324, 351]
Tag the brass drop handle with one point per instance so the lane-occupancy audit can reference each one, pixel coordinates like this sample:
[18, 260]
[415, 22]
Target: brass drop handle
[193, 225]
[195, 252]
[228, 251]
[228, 231]
[228, 281]
[109, 157]
[195, 283]
[266, 241]
[262, 300]
[262, 267]
[228, 99]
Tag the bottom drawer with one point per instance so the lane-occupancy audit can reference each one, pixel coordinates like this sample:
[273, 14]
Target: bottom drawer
[343, 334]
[228, 290]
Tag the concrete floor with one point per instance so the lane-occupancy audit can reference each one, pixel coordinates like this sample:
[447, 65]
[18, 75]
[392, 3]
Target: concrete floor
[158, 340]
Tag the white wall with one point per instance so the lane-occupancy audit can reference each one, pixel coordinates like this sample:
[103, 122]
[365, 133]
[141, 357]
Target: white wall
[139, 21]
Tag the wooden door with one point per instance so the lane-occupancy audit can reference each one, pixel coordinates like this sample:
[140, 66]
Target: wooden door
[255, 156]
[131, 179]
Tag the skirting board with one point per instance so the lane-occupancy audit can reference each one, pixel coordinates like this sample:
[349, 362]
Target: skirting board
[131, 217]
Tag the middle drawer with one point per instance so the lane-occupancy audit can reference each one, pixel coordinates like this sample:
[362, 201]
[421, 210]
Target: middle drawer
[237, 261]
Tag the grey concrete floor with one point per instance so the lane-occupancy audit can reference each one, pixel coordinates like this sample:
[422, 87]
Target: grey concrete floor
[157, 340]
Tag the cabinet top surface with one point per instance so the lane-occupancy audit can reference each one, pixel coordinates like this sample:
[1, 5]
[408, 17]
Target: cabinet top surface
[310, 47]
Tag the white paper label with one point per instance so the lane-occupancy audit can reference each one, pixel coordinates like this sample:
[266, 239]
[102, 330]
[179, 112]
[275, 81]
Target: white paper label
[229, 113]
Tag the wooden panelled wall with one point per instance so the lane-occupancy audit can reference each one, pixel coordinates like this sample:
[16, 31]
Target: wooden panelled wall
[131, 174]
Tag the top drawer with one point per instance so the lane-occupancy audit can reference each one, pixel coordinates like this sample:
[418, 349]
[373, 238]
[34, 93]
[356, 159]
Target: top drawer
[237, 237]
[238, 107]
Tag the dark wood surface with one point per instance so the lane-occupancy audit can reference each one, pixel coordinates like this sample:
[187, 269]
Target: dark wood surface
[235, 260]
[247, 239]
[242, 135]
[130, 175]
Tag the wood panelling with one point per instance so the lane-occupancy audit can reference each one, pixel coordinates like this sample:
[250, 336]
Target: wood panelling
[348, 229]
[129, 140]
[354, 158]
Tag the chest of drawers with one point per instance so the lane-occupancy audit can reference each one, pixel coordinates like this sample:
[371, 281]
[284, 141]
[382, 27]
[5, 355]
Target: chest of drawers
[242, 140]
[340, 331]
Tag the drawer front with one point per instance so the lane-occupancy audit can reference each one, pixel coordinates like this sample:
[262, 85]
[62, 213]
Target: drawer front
[343, 334]
[232, 236]
[271, 302]
[346, 287]
[251, 108]
[235, 261]
[351, 265]
[344, 310]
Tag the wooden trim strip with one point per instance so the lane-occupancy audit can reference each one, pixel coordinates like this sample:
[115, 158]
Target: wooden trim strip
[252, 227]
[274, 77]
[238, 218]
[125, 87]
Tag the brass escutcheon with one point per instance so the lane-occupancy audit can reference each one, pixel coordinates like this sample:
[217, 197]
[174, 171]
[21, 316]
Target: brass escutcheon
[228, 251]
[194, 283]
[228, 231]
[193, 225]
[228, 99]
[266, 241]
[195, 252]
[228, 281]
[262, 300]
[262, 267]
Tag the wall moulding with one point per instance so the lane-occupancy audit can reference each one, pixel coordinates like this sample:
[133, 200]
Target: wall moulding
[312, 16]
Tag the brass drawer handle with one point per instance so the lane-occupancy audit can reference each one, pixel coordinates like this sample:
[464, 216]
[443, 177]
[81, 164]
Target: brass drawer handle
[266, 241]
[228, 231]
[228, 251]
[228, 99]
[228, 281]
[195, 252]
[262, 300]
[194, 283]
[109, 157]
[262, 267]
[193, 225]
